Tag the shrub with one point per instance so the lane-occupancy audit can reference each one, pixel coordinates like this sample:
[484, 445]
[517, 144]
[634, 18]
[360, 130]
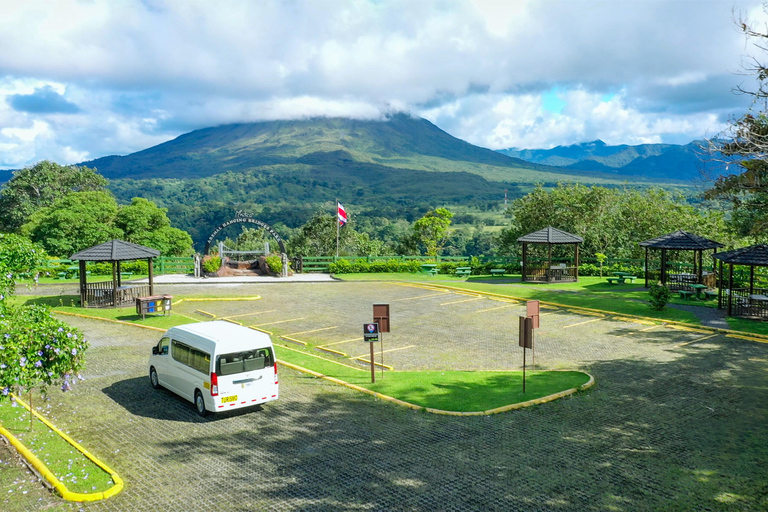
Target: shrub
[275, 263]
[212, 265]
[659, 296]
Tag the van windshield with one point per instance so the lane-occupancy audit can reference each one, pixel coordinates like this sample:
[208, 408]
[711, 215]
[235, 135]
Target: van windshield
[239, 362]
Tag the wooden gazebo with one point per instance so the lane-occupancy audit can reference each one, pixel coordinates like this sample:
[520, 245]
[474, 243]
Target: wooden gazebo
[747, 301]
[679, 241]
[538, 273]
[113, 293]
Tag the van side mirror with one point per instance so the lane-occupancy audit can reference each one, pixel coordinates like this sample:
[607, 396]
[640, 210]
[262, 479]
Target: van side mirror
[154, 350]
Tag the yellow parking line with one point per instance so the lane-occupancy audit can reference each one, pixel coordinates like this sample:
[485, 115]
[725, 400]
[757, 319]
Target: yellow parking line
[323, 358]
[582, 323]
[340, 342]
[337, 352]
[303, 343]
[205, 313]
[260, 330]
[313, 330]
[649, 328]
[379, 352]
[696, 340]
[737, 336]
[421, 296]
[498, 307]
[249, 314]
[587, 313]
[283, 321]
[460, 301]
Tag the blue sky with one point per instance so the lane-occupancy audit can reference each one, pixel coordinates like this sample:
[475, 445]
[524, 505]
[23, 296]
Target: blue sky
[84, 79]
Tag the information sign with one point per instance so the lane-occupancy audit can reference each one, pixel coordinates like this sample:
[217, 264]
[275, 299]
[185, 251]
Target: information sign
[371, 332]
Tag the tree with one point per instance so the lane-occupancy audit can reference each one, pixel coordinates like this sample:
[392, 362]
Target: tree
[744, 146]
[432, 230]
[318, 237]
[36, 349]
[74, 222]
[40, 186]
[143, 223]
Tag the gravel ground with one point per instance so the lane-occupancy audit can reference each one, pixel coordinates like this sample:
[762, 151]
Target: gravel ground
[677, 419]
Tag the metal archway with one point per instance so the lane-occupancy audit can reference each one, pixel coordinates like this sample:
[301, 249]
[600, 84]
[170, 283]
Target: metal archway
[242, 217]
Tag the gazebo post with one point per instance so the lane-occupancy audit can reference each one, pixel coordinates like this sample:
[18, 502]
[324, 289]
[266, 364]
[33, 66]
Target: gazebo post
[695, 268]
[646, 267]
[119, 274]
[720, 287]
[549, 263]
[151, 283]
[114, 283]
[576, 249]
[751, 279]
[525, 258]
[730, 288]
[663, 266]
[83, 286]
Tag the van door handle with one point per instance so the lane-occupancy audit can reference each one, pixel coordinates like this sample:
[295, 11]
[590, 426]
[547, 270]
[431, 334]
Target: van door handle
[243, 381]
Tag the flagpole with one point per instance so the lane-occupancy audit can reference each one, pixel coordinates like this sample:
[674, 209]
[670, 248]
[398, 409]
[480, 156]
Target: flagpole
[337, 228]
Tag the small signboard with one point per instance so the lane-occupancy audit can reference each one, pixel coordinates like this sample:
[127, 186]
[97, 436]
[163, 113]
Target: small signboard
[532, 311]
[371, 332]
[526, 332]
[381, 316]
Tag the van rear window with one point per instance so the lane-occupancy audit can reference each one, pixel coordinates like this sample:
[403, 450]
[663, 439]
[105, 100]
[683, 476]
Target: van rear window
[240, 362]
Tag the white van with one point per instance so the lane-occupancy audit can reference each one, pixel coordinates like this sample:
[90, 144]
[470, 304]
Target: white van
[217, 365]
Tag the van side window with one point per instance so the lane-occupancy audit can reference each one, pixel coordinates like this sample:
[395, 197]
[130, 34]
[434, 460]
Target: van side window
[162, 346]
[191, 357]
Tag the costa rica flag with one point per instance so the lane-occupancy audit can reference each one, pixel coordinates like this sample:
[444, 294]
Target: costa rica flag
[342, 215]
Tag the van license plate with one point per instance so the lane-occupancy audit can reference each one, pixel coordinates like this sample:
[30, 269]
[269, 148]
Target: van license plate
[226, 399]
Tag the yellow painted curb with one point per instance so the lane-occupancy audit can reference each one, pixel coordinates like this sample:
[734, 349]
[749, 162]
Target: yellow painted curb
[342, 354]
[205, 313]
[49, 476]
[260, 330]
[109, 320]
[505, 408]
[232, 321]
[304, 343]
[738, 336]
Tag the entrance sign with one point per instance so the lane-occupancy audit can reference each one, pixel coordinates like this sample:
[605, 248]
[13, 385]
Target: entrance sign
[244, 217]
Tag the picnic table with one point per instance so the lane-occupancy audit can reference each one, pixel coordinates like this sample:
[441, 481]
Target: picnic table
[463, 271]
[621, 279]
[698, 288]
[498, 271]
[126, 275]
[429, 268]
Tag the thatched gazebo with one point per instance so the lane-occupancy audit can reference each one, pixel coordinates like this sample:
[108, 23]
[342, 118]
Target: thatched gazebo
[679, 241]
[747, 301]
[113, 293]
[538, 273]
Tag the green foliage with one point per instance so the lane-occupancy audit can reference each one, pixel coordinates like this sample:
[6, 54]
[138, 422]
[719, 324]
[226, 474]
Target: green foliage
[659, 296]
[36, 349]
[143, 223]
[361, 266]
[40, 186]
[212, 264]
[588, 269]
[74, 222]
[275, 263]
[432, 230]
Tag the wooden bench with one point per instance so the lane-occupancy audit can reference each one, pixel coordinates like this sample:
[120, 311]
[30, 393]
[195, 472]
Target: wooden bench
[463, 271]
[631, 279]
[498, 271]
[686, 294]
[126, 275]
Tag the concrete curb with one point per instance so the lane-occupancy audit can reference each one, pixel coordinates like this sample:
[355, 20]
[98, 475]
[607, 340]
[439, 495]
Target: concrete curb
[505, 408]
[49, 476]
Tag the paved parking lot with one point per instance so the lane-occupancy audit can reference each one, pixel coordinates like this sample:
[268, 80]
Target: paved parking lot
[677, 419]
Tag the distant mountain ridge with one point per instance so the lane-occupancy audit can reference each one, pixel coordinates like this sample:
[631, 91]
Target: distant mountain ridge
[655, 161]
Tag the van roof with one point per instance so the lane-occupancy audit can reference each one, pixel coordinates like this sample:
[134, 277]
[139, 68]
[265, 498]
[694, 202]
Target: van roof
[228, 337]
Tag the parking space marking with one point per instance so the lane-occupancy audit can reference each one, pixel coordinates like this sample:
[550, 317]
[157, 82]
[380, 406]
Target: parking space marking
[249, 314]
[497, 307]
[318, 357]
[313, 330]
[340, 342]
[383, 352]
[696, 340]
[421, 296]
[582, 323]
[283, 321]
[460, 301]
[649, 328]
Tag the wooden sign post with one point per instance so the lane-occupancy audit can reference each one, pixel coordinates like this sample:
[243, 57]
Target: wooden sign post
[526, 339]
[371, 335]
[381, 317]
[532, 311]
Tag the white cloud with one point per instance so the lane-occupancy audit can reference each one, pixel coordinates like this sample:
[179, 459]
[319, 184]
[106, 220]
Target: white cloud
[141, 72]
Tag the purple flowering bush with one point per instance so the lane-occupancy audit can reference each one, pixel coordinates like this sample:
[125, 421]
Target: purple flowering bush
[36, 349]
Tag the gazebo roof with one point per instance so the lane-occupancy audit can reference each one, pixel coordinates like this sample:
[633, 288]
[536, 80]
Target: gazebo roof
[116, 250]
[550, 235]
[681, 241]
[755, 255]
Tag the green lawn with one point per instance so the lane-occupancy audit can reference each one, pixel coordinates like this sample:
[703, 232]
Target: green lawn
[73, 469]
[459, 391]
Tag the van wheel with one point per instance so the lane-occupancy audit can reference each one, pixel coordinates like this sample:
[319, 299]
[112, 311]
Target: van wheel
[153, 378]
[200, 404]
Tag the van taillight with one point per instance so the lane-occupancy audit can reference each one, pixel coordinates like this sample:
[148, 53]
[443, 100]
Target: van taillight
[214, 384]
[275, 372]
